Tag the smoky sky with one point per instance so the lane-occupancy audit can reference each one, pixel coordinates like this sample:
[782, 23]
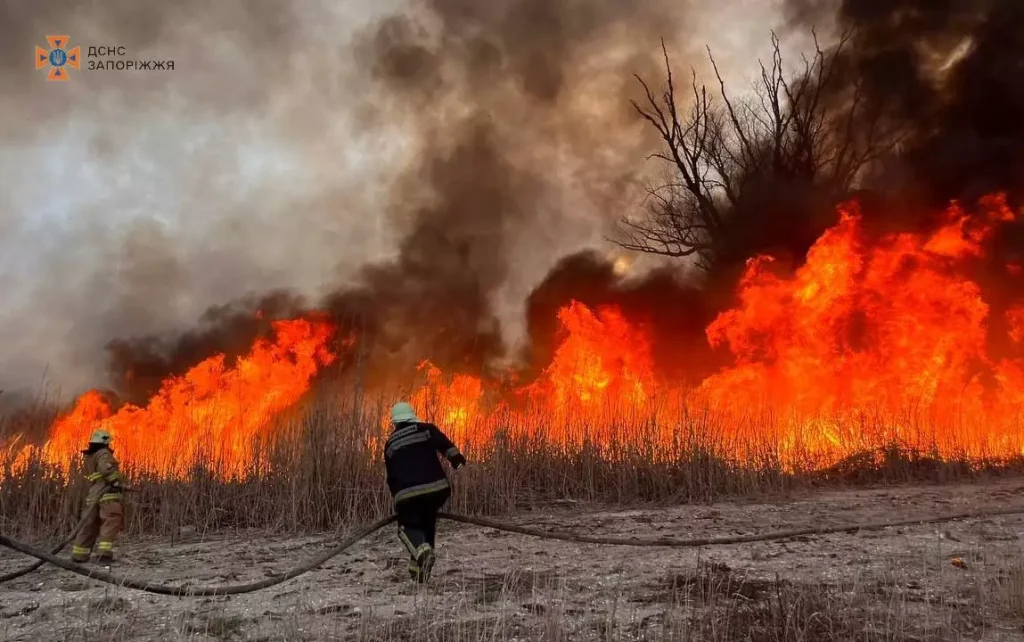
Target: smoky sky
[132, 202]
[949, 71]
[420, 166]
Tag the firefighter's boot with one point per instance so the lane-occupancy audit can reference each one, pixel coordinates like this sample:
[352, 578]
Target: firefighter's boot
[80, 554]
[106, 552]
[425, 560]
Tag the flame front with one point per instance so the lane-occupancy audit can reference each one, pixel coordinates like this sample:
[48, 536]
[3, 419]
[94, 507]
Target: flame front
[867, 344]
[212, 414]
[871, 342]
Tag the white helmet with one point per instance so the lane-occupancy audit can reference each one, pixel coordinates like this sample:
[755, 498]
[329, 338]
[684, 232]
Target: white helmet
[402, 412]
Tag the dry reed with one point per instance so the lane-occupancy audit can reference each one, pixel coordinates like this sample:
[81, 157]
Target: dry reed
[322, 472]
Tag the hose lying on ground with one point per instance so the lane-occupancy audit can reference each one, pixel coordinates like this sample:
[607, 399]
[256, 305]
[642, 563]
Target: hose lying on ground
[89, 515]
[722, 541]
[200, 591]
[203, 591]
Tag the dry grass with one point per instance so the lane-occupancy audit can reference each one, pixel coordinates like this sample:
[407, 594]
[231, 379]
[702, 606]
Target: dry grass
[710, 604]
[896, 586]
[326, 475]
[323, 474]
[714, 603]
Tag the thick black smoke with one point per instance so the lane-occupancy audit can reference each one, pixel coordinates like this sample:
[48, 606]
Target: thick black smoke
[525, 140]
[672, 311]
[949, 72]
[513, 146]
[448, 153]
[137, 366]
[519, 147]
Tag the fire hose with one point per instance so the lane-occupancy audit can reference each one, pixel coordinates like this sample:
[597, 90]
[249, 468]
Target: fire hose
[86, 518]
[348, 542]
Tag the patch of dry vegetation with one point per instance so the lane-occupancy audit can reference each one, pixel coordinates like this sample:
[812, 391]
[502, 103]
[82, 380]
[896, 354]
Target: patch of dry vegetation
[712, 603]
[323, 473]
[895, 585]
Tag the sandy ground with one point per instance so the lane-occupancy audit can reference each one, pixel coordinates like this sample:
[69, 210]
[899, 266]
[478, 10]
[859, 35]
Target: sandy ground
[941, 581]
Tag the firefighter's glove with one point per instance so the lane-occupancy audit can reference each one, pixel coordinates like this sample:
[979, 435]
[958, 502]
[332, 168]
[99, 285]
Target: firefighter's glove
[458, 461]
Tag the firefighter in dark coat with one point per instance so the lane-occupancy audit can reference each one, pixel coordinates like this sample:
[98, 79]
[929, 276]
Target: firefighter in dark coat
[418, 483]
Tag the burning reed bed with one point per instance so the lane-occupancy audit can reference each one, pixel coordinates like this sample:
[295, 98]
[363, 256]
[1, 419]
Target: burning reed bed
[877, 359]
[322, 471]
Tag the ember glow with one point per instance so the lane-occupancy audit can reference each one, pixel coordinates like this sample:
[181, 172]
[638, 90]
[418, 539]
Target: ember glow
[871, 342]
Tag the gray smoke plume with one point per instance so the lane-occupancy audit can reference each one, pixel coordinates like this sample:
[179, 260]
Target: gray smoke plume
[133, 201]
[419, 167]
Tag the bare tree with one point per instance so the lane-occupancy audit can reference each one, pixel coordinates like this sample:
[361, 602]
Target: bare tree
[728, 160]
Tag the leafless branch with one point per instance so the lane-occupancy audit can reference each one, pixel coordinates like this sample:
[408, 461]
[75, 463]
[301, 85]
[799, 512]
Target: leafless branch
[801, 129]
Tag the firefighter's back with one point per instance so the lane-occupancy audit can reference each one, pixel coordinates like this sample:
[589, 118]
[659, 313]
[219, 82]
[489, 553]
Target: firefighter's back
[411, 458]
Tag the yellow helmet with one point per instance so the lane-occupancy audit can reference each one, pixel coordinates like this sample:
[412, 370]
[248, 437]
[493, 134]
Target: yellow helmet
[100, 437]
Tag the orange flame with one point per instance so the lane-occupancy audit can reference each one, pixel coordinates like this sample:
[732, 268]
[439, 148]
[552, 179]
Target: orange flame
[891, 329]
[212, 412]
[870, 342]
[1015, 319]
[453, 402]
[601, 369]
[867, 344]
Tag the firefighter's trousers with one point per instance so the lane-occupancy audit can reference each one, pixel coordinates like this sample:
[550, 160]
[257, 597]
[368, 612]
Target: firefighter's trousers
[417, 521]
[102, 531]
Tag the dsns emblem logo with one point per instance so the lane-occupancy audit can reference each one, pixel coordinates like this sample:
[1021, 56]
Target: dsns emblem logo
[58, 58]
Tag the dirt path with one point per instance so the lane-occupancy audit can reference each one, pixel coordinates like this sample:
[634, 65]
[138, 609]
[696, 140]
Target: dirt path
[961, 580]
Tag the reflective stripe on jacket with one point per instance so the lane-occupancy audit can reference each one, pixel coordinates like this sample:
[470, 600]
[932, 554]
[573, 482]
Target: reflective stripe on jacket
[100, 470]
[410, 456]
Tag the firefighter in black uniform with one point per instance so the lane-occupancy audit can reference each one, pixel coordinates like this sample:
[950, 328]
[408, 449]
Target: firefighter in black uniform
[418, 483]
